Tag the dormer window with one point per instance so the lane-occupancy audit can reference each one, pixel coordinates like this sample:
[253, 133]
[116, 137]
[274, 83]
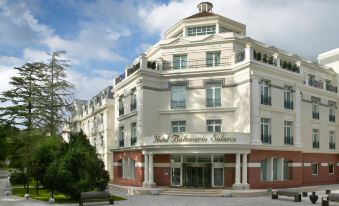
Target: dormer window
[201, 30]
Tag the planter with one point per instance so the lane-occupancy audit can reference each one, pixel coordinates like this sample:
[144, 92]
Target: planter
[313, 197]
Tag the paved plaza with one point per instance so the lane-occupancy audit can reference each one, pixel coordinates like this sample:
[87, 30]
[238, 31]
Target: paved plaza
[163, 200]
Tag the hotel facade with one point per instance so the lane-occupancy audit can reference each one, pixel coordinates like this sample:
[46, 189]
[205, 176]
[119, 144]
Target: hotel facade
[208, 106]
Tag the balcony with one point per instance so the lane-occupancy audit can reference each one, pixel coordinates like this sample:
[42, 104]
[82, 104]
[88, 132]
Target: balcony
[314, 83]
[265, 100]
[121, 143]
[120, 78]
[332, 118]
[288, 140]
[332, 145]
[331, 88]
[121, 111]
[266, 139]
[288, 104]
[197, 63]
[133, 106]
[315, 144]
[133, 141]
[315, 115]
[269, 59]
[213, 102]
[178, 104]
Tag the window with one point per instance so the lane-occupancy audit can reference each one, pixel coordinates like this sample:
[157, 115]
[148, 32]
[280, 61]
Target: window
[178, 97]
[286, 174]
[214, 125]
[315, 109]
[200, 30]
[121, 136]
[330, 168]
[275, 168]
[133, 100]
[288, 138]
[315, 138]
[102, 140]
[213, 59]
[133, 133]
[311, 80]
[265, 92]
[180, 62]
[332, 113]
[332, 140]
[213, 92]
[288, 98]
[121, 107]
[178, 126]
[128, 168]
[265, 131]
[263, 170]
[314, 167]
[101, 118]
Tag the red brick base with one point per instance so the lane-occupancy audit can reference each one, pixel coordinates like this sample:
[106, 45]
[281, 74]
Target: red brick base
[300, 175]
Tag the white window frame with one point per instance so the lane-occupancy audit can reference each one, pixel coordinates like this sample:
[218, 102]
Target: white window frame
[214, 54]
[178, 126]
[317, 168]
[214, 124]
[213, 87]
[288, 126]
[182, 62]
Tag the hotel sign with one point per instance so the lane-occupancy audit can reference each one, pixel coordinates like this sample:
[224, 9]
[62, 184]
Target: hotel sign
[199, 138]
[177, 138]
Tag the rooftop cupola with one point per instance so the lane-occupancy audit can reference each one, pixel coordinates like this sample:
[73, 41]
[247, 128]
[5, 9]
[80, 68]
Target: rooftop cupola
[205, 7]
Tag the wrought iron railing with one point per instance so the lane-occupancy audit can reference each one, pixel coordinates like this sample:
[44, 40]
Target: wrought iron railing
[332, 145]
[265, 100]
[315, 115]
[266, 139]
[331, 88]
[332, 118]
[288, 104]
[315, 144]
[178, 104]
[133, 141]
[121, 142]
[196, 63]
[288, 140]
[213, 102]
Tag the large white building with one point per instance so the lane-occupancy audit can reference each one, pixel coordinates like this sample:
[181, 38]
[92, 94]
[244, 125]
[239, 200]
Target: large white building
[208, 106]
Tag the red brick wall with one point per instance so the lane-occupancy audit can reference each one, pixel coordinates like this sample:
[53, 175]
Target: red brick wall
[138, 172]
[162, 174]
[323, 176]
[299, 176]
[295, 173]
[229, 172]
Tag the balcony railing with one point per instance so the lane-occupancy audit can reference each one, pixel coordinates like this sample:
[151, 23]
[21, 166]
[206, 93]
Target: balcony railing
[288, 140]
[314, 83]
[133, 105]
[197, 63]
[240, 56]
[288, 104]
[315, 115]
[121, 111]
[289, 66]
[332, 118]
[121, 142]
[266, 139]
[133, 141]
[120, 78]
[213, 102]
[265, 100]
[178, 104]
[315, 144]
[331, 88]
[133, 69]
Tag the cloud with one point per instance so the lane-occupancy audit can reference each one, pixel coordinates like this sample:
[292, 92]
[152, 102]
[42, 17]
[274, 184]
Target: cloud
[87, 87]
[305, 27]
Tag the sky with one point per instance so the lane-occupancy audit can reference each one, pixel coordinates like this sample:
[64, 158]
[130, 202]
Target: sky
[101, 37]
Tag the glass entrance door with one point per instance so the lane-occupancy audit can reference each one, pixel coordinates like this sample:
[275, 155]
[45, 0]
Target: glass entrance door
[197, 175]
[176, 176]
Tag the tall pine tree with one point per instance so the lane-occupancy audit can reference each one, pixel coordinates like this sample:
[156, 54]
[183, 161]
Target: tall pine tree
[21, 100]
[57, 96]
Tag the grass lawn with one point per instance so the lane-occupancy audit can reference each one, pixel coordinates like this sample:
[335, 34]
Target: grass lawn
[44, 195]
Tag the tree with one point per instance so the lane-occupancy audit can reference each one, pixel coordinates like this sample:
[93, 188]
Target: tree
[22, 99]
[77, 170]
[58, 97]
[43, 155]
[7, 132]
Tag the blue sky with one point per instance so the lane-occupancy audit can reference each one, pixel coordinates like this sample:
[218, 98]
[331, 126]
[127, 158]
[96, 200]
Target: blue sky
[102, 36]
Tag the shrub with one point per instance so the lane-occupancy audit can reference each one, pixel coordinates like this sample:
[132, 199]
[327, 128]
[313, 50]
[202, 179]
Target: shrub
[18, 178]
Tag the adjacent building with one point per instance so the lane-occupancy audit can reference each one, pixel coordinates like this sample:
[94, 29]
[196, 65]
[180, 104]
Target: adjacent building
[208, 106]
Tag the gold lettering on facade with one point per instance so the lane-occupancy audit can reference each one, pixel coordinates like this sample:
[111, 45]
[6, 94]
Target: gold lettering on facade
[178, 138]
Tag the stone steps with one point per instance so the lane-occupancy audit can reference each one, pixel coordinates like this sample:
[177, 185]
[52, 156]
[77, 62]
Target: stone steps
[193, 192]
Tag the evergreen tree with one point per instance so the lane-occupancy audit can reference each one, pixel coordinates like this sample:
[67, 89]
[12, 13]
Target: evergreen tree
[57, 97]
[22, 98]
